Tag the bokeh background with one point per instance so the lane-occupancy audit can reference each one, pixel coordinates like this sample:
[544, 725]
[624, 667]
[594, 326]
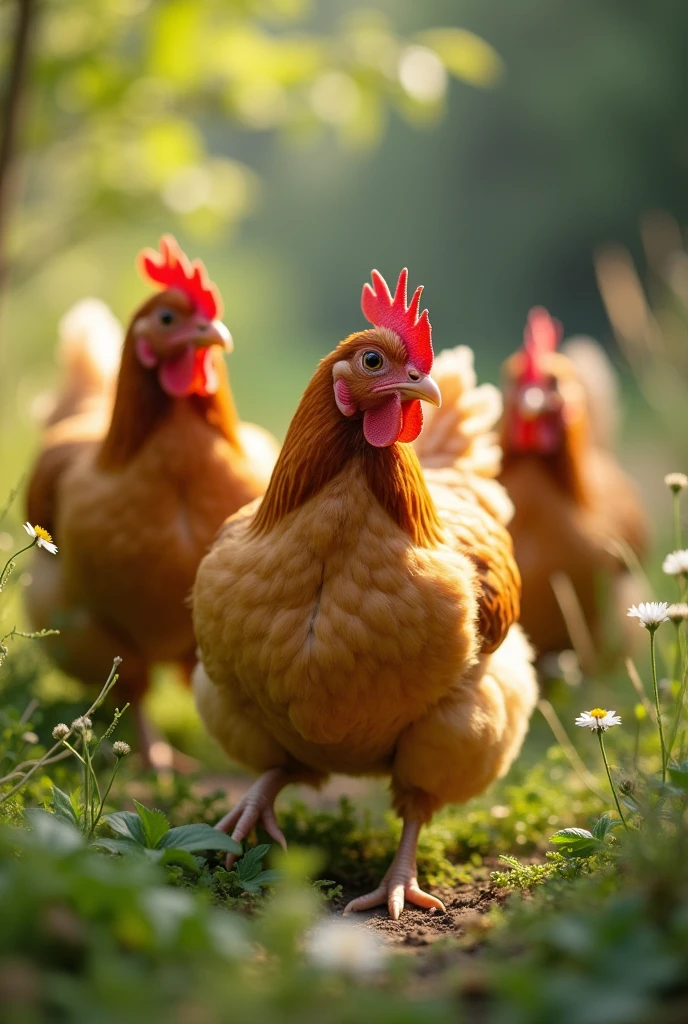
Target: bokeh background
[493, 147]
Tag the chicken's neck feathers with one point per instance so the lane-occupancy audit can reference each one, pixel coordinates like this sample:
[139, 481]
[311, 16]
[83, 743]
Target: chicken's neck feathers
[321, 443]
[141, 406]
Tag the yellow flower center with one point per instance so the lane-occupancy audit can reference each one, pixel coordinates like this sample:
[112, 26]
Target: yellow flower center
[597, 713]
[43, 534]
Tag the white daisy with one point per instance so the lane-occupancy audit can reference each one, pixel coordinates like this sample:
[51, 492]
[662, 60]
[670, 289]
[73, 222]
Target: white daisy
[676, 481]
[650, 614]
[676, 563]
[598, 720]
[343, 947]
[42, 537]
[678, 612]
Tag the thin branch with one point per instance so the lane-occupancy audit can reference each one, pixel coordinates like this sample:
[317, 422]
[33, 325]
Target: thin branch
[10, 115]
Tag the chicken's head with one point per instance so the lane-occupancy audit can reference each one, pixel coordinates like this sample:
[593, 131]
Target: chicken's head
[175, 331]
[384, 373]
[542, 393]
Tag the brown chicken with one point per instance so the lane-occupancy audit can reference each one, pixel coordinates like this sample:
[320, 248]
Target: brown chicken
[576, 511]
[361, 618]
[134, 493]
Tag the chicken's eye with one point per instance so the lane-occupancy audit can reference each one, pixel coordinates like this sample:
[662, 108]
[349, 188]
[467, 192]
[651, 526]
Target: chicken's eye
[372, 360]
[166, 317]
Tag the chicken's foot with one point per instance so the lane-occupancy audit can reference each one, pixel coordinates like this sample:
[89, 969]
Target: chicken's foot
[256, 807]
[400, 882]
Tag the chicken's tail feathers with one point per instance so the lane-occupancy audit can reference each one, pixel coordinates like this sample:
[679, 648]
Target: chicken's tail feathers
[89, 347]
[600, 382]
[460, 438]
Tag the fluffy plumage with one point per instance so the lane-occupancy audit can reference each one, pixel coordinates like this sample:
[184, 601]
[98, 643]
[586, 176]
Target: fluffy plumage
[360, 619]
[575, 508]
[134, 491]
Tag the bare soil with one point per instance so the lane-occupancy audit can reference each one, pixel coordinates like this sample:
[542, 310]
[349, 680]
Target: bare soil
[418, 929]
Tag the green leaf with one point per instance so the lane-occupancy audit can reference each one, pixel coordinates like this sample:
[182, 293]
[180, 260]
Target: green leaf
[128, 825]
[679, 775]
[155, 825]
[605, 825]
[180, 857]
[254, 885]
[63, 807]
[52, 833]
[576, 842]
[195, 838]
[118, 845]
[250, 864]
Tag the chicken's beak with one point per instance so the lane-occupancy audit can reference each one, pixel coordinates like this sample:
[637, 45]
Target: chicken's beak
[212, 333]
[426, 389]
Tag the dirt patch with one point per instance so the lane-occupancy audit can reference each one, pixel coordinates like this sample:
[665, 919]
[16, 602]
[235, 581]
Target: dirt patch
[417, 929]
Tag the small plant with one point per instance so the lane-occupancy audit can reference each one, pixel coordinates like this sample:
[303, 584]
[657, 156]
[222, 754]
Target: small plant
[148, 832]
[524, 877]
[248, 874]
[78, 741]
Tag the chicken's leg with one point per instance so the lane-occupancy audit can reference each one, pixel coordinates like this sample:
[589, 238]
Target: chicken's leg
[400, 883]
[256, 807]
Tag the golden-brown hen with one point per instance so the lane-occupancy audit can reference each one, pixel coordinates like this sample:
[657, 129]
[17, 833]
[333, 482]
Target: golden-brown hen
[361, 618]
[575, 509]
[134, 493]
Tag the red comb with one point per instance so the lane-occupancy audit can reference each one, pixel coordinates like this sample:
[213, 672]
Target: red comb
[170, 268]
[542, 335]
[384, 311]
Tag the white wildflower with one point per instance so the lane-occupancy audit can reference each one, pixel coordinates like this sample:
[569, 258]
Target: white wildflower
[598, 720]
[83, 724]
[676, 563]
[344, 947]
[650, 614]
[42, 537]
[677, 612]
[120, 748]
[61, 731]
[676, 481]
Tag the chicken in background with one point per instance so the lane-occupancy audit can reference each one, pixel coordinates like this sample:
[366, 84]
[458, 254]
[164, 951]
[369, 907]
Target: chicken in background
[361, 618]
[133, 491]
[578, 517]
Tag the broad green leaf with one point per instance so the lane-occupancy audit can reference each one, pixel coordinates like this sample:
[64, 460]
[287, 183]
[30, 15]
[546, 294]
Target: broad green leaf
[195, 838]
[50, 831]
[679, 777]
[576, 842]
[63, 807]
[118, 845]
[565, 835]
[155, 825]
[126, 824]
[250, 864]
[180, 857]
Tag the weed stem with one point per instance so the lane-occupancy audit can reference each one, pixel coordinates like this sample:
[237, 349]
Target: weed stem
[609, 776]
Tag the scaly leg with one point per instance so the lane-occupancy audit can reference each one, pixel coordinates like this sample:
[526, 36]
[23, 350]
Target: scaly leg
[256, 808]
[400, 882]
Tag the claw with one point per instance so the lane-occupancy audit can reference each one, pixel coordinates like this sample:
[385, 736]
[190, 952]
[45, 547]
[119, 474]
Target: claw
[255, 808]
[400, 883]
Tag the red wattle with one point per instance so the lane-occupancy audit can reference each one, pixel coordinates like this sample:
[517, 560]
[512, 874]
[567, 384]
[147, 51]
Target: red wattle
[412, 420]
[190, 373]
[382, 425]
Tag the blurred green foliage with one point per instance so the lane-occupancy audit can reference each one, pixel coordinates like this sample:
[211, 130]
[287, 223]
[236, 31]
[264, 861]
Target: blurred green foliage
[130, 102]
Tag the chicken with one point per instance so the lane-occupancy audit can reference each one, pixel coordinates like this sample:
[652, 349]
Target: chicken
[135, 491]
[360, 619]
[576, 510]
